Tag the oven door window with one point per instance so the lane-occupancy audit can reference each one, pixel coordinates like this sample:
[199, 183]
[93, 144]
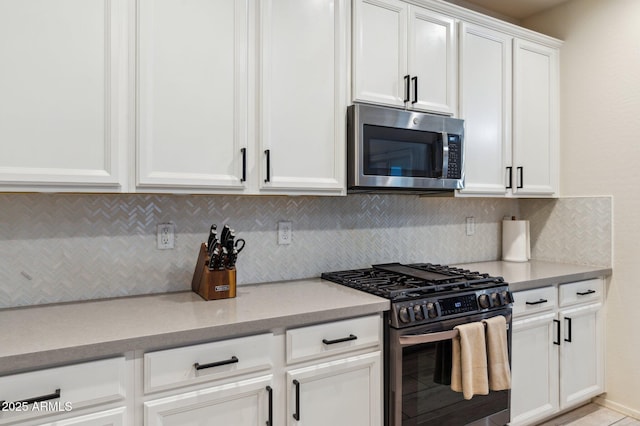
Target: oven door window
[427, 398]
[401, 152]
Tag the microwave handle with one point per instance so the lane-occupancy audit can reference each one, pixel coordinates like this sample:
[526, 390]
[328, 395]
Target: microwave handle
[445, 155]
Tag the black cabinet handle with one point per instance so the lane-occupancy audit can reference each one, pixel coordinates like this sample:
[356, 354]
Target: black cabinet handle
[296, 415]
[521, 176]
[270, 421]
[344, 339]
[54, 395]
[584, 293]
[510, 177]
[569, 339]
[557, 332]
[232, 360]
[538, 302]
[244, 164]
[267, 152]
[406, 88]
[415, 90]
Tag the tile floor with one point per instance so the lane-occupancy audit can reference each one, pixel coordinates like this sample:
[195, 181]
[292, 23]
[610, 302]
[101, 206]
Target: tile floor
[592, 415]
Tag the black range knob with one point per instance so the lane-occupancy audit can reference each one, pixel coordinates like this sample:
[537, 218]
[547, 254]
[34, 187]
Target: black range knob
[432, 312]
[403, 316]
[496, 298]
[417, 313]
[483, 301]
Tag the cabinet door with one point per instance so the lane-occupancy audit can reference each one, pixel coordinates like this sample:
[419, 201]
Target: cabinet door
[535, 121]
[244, 403]
[115, 417]
[303, 95]
[62, 96]
[534, 369]
[581, 355]
[192, 93]
[432, 58]
[343, 392]
[485, 106]
[380, 52]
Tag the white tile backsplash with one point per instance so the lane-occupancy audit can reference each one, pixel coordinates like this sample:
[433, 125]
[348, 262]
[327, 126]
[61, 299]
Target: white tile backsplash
[64, 247]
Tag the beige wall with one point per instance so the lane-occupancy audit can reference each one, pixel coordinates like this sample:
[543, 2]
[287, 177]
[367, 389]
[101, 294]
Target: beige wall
[600, 150]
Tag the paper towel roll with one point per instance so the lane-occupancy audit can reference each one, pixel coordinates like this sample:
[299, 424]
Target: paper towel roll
[515, 241]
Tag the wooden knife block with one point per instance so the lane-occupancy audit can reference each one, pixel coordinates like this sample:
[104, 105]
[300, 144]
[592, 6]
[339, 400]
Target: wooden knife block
[212, 285]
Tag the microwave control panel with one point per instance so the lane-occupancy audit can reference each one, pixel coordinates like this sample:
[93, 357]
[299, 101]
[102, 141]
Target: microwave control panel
[455, 157]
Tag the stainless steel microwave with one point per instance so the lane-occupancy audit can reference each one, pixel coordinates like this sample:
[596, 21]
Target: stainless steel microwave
[392, 150]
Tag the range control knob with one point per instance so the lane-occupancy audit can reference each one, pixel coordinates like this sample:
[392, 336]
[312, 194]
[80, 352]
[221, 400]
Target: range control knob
[483, 301]
[496, 299]
[431, 310]
[507, 296]
[403, 315]
[417, 313]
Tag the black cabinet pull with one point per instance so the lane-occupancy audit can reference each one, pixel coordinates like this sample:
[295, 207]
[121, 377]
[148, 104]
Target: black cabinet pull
[569, 339]
[415, 90]
[557, 332]
[584, 293]
[270, 421]
[244, 164]
[267, 152]
[521, 176]
[232, 360]
[344, 339]
[296, 415]
[510, 169]
[54, 395]
[538, 302]
[406, 88]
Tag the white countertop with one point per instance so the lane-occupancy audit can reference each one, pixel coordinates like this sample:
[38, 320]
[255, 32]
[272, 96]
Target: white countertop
[68, 332]
[62, 333]
[536, 273]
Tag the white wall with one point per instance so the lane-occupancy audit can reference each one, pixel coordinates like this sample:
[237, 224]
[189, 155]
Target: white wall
[600, 150]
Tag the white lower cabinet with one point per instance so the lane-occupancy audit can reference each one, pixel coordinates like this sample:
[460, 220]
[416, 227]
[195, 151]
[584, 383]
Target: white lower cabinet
[557, 349]
[92, 393]
[581, 354]
[329, 373]
[535, 380]
[115, 417]
[243, 403]
[346, 391]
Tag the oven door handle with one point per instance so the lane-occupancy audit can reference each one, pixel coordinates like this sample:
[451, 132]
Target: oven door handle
[419, 339]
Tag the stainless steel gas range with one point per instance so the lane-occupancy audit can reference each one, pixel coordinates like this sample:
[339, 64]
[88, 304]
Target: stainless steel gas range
[427, 302]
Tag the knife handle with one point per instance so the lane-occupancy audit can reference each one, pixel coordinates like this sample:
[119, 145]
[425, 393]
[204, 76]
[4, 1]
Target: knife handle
[267, 152]
[244, 164]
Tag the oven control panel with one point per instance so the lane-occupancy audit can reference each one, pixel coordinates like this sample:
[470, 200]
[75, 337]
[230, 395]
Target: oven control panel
[458, 304]
[415, 312]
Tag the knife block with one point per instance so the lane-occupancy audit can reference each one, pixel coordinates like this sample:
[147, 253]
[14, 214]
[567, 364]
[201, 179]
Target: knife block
[212, 285]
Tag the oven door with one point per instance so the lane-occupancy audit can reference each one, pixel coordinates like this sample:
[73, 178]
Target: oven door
[419, 391]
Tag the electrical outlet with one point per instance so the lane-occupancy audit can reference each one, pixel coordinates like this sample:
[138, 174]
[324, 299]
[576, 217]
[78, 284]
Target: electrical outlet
[471, 225]
[166, 236]
[284, 233]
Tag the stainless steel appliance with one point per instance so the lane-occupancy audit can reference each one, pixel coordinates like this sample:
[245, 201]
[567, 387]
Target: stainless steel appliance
[427, 302]
[396, 150]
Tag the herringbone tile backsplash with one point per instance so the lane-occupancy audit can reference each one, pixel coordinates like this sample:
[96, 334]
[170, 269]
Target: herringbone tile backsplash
[65, 247]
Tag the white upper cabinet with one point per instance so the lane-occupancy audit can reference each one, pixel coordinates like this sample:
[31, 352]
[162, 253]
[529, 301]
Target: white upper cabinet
[485, 105]
[303, 96]
[432, 57]
[192, 94]
[404, 56]
[535, 119]
[242, 96]
[509, 101]
[63, 95]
